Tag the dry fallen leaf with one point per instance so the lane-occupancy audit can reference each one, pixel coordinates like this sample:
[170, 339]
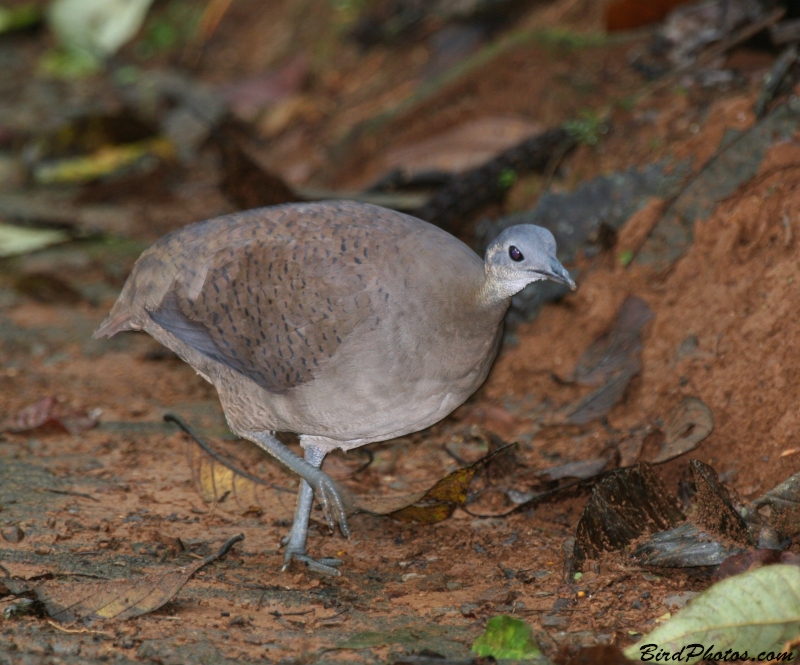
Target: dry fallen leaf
[715, 510]
[780, 507]
[216, 478]
[687, 425]
[113, 599]
[625, 505]
[615, 349]
[49, 412]
[465, 147]
[428, 506]
[25, 571]
[13, 534]
[582, 469]
[611, 362]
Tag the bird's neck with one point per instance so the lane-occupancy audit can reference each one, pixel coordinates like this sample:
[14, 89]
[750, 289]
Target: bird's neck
[494, 293]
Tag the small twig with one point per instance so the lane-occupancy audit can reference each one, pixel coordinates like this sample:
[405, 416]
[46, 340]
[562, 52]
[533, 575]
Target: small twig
[225, 548]
[453, 455]
[77, 630]
[555, 162]
[325, 620]
[711, 54]
[479, 515]
[211, 18]
[278, 614]
[773, 80]
[180, 422]
[364, 465]
[70, 493]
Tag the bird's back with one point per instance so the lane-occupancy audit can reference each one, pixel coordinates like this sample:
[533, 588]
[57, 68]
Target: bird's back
[307, 300]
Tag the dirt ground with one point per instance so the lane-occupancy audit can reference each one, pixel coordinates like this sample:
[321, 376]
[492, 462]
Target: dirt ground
[110, 501]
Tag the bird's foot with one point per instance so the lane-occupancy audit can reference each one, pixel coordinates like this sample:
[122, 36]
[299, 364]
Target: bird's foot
[326, 492]
[325, 565]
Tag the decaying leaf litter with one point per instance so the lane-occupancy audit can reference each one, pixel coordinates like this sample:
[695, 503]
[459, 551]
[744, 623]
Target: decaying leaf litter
[683, 200]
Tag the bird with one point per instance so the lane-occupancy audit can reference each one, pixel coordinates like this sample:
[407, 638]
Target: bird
[345, 323]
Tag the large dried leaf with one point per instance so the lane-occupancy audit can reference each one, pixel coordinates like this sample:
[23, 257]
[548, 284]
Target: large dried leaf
[627, 504]
[432, 505]
[216, 482]
[464, 147]
[25, 571]
[783, 504]
[687, 425]
[49, 412]
[613, 351]
[582, 469]
[719, 530]
[599, 403]
[758, 611]
[113, 599]
[217, 478]
[611, 362]
[715, 510]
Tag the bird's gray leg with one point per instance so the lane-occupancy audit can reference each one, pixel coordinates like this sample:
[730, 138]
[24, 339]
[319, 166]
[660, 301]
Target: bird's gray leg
[295, 542]
[314, 482]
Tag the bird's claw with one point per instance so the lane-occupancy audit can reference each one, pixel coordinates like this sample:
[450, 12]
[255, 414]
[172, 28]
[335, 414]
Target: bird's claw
[324, 566]
[328, 495]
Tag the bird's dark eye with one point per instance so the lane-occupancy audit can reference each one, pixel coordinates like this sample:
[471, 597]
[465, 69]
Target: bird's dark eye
[515, 254]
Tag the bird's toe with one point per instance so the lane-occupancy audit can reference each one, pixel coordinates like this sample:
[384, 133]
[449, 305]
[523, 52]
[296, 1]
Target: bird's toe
[324, 565]
[332, 505]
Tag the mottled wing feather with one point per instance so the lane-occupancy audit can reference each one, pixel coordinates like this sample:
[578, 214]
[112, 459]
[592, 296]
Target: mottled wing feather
[170, 317]
[274, 312]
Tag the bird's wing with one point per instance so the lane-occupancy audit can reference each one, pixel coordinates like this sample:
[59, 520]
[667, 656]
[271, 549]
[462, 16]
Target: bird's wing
[274, 312]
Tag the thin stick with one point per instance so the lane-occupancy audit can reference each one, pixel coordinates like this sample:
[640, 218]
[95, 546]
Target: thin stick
[213, 454]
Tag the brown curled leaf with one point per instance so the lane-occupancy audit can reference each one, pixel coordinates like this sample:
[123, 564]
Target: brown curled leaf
[687, 425]
[218, 478]
[715, 510]
[432, 505]
[48, 412]
[613, 351]
[599, 403]
[626, 504]
[611, 362]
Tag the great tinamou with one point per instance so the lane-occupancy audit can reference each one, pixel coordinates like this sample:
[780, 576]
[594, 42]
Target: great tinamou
[342, 322]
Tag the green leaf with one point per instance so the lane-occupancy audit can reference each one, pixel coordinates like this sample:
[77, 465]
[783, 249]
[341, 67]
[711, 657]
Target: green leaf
[625, 257]
[756, 612]
[66, 62]
[19, 18]
[21, 239]
[587, 128]
[507, 178]
[99, 27]
[506, 637]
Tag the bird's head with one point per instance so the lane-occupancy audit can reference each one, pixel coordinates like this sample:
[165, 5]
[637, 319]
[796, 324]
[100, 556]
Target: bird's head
[520, 255]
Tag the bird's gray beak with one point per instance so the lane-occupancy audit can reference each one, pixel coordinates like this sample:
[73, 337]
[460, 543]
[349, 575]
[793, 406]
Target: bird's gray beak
[558, 273]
